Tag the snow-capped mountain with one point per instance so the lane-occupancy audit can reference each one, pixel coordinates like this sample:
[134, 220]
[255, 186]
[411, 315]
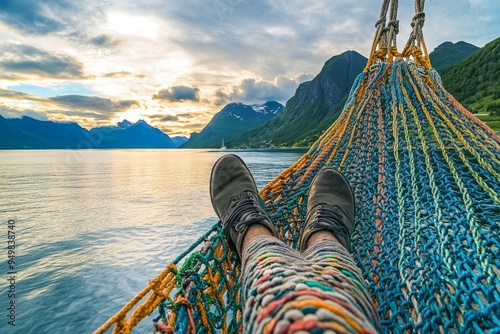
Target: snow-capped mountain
[233, 119]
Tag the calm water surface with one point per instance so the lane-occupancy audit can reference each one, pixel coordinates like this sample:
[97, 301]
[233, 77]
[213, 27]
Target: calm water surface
[93, 226]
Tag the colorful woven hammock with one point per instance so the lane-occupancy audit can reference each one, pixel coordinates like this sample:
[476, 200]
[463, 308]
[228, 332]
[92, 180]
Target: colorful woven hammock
[426, 174]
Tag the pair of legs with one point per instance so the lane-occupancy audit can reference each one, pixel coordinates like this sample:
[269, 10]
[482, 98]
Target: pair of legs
[259, 230]
[317, 289]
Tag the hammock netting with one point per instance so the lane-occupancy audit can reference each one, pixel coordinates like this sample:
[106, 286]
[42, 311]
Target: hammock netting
[426, 176]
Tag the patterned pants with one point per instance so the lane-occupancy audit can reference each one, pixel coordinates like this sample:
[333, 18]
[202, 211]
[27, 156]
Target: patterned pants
[318, 291]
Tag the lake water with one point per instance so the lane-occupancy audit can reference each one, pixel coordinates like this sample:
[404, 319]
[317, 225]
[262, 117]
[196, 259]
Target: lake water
[93, 226]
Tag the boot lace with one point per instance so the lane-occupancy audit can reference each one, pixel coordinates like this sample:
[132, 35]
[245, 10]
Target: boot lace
[246, 211]
[327, 219]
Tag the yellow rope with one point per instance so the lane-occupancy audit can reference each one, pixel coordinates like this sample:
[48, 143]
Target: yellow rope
[165, 280]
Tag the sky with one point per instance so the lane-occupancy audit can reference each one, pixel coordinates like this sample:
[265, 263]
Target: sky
[175, 63]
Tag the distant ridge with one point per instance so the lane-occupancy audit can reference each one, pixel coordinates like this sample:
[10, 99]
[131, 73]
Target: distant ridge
[30, 133]
[27, 132]
[448, 54]
[232, 120]
[128, 135]
[179, 140]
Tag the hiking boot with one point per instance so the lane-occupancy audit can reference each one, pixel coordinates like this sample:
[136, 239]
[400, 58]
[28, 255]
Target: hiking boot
[330, 207]
[236, 201]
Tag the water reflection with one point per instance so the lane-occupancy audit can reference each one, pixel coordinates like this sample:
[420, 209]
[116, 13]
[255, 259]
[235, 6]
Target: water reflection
[94, 226]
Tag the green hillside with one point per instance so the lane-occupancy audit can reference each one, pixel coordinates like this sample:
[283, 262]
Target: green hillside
[475, 82]
[448, 54]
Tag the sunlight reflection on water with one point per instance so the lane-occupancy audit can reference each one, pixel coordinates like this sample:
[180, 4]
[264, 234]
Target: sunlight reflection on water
[93, 228]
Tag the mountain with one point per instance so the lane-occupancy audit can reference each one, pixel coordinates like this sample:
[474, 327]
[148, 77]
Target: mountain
[128, 135]
[179, 140]
[231, 121]
[12, 137]
[124, 124]
[314, 107]
[27, 132]
[448, 54]
[475, 82]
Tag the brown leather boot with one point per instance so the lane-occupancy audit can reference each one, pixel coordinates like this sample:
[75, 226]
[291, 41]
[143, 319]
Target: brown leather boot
[236, 201]
[330, 207]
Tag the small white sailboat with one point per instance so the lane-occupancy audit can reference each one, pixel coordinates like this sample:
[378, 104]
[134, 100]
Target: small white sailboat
[223, 147]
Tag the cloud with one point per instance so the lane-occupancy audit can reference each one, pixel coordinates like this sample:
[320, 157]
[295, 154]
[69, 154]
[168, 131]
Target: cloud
[189, 126]
[80, 107]
[164, 118]
[169, 118]
[62, 17]
[270, 37]
[186, 115]
[79, 102]
[123, 74]
[32, 16]
[14, 94]
[75, 21]
[251, 90]
[104, 41]
[94, 103]
[85, 118]
[22, 61]
[9, 112]
[178, 94]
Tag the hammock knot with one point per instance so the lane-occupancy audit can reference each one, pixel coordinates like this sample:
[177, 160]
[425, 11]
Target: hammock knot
[418, 18]
[191, 282]
[395, 25]
[380, 22]
[121, 326]
[417, 24]
[393, 53]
